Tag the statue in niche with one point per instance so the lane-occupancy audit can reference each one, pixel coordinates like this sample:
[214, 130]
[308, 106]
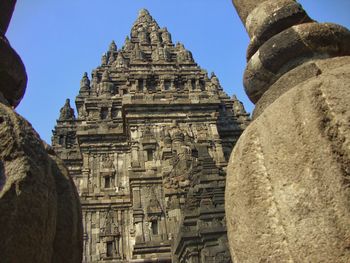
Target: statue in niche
[120, 61]
[137, 53]
[160, 53]
[155, 55]
[202, 132]
[143, 36]
[166, 52]
[107, 162]
[82, 114]
[111, 59]
[154, 36]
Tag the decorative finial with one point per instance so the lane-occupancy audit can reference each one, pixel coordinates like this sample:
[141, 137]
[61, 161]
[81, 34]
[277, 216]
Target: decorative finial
[143, 12]
[66, 112]
[85, 81]
[104, 60]
[112, 46]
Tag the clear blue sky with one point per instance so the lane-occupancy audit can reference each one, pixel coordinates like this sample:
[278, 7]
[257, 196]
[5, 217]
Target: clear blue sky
[59, 40]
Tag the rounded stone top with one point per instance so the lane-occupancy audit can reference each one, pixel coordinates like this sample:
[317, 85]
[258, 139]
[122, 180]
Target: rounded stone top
[13, 76]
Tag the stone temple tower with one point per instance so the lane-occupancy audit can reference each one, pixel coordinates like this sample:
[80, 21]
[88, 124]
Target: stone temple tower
[148, 152]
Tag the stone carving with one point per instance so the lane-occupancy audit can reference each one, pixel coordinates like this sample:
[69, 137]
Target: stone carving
[137, 54]
[154, 36]
[111, 58]
[128, 46]
[120, 61]
[40, 213]
[106, 86]
[160, 53]
[107, 162]
[66, 112]
[104, 60]
[143, 36]
[138, 151]
[183, 55]
[84, 85]
[285, 182]
[166, 37]
[112, 47]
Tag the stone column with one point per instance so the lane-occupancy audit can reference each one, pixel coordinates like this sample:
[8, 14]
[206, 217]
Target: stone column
[287, 190]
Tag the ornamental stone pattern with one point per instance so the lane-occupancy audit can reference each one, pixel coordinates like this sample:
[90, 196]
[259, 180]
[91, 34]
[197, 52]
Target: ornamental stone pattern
[148, 152]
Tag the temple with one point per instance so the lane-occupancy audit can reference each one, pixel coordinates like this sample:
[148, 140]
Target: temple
[148, 151]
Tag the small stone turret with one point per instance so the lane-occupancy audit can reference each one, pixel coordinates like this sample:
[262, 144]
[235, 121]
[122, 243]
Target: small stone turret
[84, 85]
[66, 112]
[112, 47]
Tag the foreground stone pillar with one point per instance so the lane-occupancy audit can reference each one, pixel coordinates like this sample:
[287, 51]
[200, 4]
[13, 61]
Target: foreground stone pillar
[40, 214]
[288, 183]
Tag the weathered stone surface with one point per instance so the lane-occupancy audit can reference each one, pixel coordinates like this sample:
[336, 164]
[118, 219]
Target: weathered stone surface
[288, 195]
[40, 214]
[291, 48]
[40, 211]
[150, 139]
[68, 242]
[13, 77]
[28, 193]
